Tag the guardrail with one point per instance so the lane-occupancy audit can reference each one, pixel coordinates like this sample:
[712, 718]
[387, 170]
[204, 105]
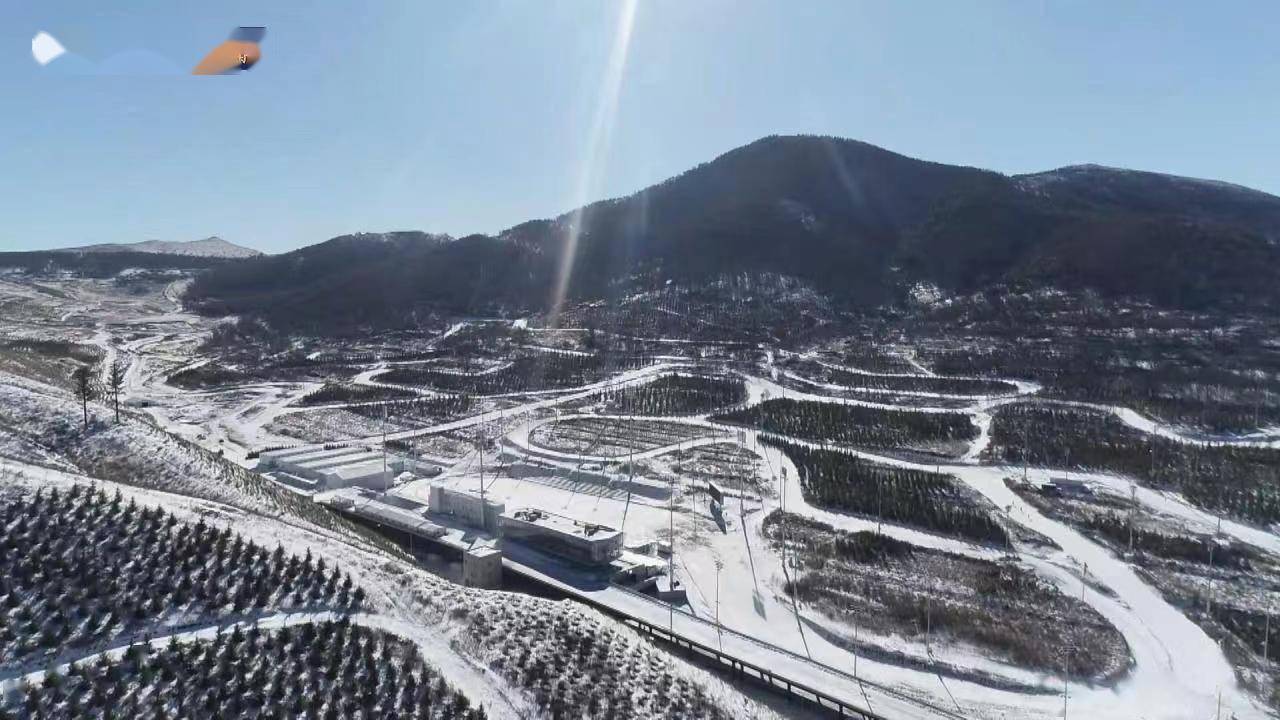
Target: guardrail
[941, 712]
[746, 670]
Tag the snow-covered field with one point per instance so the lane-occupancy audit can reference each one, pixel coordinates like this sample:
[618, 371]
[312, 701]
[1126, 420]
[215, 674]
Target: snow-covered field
[736, 581]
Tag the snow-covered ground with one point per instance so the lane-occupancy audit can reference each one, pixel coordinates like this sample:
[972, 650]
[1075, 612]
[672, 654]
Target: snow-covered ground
[1177, 671]
[1176, 666]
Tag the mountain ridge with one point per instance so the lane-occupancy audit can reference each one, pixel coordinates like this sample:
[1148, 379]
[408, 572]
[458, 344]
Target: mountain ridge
[210, 247]
[860, 223]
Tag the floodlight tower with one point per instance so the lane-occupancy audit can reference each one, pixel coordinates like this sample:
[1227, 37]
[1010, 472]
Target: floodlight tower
[671, 556]
[386, 479]
[480, 450]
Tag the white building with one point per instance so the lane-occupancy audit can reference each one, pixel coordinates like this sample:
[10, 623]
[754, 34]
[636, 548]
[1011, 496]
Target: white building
[316, 468]
[466, 507]
[578, 540]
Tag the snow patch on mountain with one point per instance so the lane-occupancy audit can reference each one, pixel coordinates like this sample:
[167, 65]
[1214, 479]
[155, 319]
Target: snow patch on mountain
[213, 246]
[1041, 180]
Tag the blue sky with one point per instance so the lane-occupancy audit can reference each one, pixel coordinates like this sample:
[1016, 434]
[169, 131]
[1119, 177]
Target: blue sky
[465, 117]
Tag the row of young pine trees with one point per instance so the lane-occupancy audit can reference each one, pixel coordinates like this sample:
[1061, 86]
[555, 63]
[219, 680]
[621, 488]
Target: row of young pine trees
[1235, 480]
[78, 567]
[842, 481]
[677, 395]
[854, 424]
[327, 670]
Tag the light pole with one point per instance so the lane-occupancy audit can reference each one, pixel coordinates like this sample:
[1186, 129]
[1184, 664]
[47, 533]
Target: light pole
[719, 567]
[386, 478]
[671, 557]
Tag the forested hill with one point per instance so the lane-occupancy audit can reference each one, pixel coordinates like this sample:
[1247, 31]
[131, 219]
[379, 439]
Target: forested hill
[860, 223]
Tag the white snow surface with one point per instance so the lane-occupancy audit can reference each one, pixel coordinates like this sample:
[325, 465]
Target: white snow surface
[1178, 672]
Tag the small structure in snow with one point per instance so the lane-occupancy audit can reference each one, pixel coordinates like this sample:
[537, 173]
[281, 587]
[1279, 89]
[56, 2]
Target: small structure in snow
[482, 567]
[1066, 486]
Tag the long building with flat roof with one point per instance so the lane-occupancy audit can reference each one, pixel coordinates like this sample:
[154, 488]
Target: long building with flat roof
[316, 468]
[577, 540]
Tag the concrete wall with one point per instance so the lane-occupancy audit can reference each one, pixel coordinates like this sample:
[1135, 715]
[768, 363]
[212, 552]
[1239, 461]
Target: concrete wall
[482, 568]
[466, 507]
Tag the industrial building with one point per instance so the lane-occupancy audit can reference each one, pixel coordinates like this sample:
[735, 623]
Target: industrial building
[577, 540]
[317, 468]
[468, 508]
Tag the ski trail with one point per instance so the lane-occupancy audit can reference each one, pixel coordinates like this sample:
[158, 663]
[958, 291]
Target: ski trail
[1177, 671]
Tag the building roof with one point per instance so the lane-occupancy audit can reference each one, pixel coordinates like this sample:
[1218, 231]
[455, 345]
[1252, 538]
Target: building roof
[356, 471]
[317, 454]
[336, 460]
[562, 523]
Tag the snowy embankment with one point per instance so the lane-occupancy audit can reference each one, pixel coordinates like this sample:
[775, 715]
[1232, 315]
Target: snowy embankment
[922, 394]
[365, 377]
[760, 389]
[1024, 386]
[519, 438]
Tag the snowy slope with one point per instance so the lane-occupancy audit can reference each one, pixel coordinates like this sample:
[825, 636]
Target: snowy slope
[212, 246]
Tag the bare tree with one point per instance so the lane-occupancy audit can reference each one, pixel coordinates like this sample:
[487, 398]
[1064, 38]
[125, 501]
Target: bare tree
[83, 389]
[115, 383]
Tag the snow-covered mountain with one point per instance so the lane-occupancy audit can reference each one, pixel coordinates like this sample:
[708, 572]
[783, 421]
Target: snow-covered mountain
[213, 246]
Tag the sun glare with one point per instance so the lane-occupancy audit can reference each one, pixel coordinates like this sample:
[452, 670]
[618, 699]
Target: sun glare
[598, 140]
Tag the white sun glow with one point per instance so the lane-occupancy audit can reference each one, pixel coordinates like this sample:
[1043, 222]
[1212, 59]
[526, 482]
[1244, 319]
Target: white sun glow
[598, 140]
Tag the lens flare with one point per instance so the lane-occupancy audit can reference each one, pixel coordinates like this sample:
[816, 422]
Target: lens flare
[598, 140]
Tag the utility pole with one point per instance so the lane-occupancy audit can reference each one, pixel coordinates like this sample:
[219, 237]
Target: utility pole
[928, 624]
[386, 479]
[1026, 451]
[1208, 601]
[481, 450]
[855, 647]
[719, 567]
[1066, 673]
[879, 504]
[1133, 507]
[782, 500]
[671, 557]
